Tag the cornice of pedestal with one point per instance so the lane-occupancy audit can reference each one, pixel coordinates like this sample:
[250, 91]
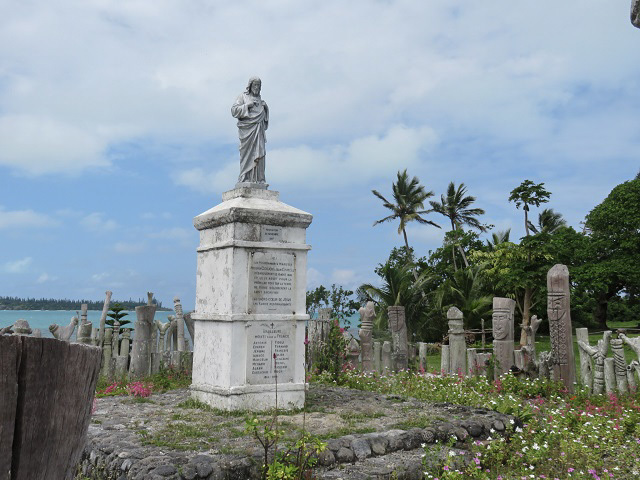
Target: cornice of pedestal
[253, 206]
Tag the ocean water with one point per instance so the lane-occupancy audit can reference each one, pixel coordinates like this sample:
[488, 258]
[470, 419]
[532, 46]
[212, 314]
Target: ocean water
[43, 318]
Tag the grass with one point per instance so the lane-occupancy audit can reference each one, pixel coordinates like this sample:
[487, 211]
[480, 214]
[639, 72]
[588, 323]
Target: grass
[562, 435]
[543, 344]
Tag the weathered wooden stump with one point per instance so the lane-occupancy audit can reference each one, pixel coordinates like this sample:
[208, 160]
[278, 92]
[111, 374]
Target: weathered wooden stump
[46, 395]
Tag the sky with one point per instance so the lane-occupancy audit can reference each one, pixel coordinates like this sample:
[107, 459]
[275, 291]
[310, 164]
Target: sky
[115, 125]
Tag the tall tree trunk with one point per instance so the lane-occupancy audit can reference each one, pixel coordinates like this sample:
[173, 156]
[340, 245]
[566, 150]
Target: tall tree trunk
[406, 244]
[526, 314]
[602, 304]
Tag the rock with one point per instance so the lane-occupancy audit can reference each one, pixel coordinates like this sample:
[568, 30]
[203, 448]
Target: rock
[326, 458]
[204, 469]
[498, 425]
[474, 428]
[361, 448]
[412, 439]
[428, 435]
[345, 455]
[378, 444]
[165, 470]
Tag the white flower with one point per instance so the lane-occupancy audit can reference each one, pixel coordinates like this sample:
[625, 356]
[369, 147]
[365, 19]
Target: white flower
[536, 447]
[452, 453]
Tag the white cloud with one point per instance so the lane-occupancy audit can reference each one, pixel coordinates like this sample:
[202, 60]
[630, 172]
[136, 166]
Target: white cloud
[45, 277]
[209, 182]
[342, 276]
[18, 266]
[314, 278]
[24, 219]
[332, 166]
[38, 145]
[96, 222]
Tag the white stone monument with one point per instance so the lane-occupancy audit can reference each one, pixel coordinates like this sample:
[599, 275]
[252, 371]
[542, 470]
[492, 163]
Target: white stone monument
[250, 300]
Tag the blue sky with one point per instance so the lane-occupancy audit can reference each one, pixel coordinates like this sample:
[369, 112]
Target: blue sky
[115, 125]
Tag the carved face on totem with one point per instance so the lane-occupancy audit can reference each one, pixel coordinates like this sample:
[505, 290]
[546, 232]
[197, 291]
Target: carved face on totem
[501, 327]
[396, 322]
[556, 306]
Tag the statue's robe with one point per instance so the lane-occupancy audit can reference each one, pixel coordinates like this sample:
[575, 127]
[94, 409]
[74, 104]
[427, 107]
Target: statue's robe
[252, 125]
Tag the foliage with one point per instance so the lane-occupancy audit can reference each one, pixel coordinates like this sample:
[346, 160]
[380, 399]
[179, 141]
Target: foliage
[455, 206]
[512, 269]
[466, 290]
[497, 238]
[399, 288]
[613, 249]
[528, 193]
[548, 222]
[339, 299]
[408, 203]
[555, 435]
[17, 303]
[331, 355]
[167, 379]
[116, 314]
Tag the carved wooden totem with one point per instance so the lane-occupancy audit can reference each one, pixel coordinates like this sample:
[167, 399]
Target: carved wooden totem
[558, 311]
[503, 309]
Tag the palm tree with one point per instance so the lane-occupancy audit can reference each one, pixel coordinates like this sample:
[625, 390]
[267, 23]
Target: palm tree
[465, 290]
[409, 197]
[548, 222]
[497, 238]
[455, 206]
[398, 289]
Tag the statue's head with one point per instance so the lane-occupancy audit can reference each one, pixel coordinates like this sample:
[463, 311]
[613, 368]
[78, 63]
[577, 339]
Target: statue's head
[254, 86]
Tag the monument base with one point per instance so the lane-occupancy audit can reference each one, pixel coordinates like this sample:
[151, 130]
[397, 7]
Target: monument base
[251, 397]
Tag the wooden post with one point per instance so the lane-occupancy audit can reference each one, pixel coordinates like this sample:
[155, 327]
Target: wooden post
[103, 317]
[46, 392]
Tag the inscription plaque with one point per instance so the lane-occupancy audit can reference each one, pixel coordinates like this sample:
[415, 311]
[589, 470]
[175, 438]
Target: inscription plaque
[272, 281]
[264, 341]
[270, 233]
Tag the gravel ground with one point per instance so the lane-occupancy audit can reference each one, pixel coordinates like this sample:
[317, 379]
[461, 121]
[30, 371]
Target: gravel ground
[369, 435]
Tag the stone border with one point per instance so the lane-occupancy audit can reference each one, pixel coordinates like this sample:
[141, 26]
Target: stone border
[110, 457]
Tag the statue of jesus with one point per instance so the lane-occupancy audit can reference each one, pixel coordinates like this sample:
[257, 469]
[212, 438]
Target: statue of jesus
[253, 119]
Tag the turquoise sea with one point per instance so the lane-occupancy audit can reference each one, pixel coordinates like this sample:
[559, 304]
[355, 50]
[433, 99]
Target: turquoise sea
[43, 318]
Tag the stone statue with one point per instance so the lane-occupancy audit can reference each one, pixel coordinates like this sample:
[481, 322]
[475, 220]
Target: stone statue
[64, 333]
[503, 312]
[635, 13]
[367, 314]
[253, 120]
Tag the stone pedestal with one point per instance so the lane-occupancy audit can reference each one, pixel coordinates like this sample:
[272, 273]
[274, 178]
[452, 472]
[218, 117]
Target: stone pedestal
[250, 303]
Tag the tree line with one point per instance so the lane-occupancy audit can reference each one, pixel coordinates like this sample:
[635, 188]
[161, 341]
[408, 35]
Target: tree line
[465, 271]
[17, 303]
